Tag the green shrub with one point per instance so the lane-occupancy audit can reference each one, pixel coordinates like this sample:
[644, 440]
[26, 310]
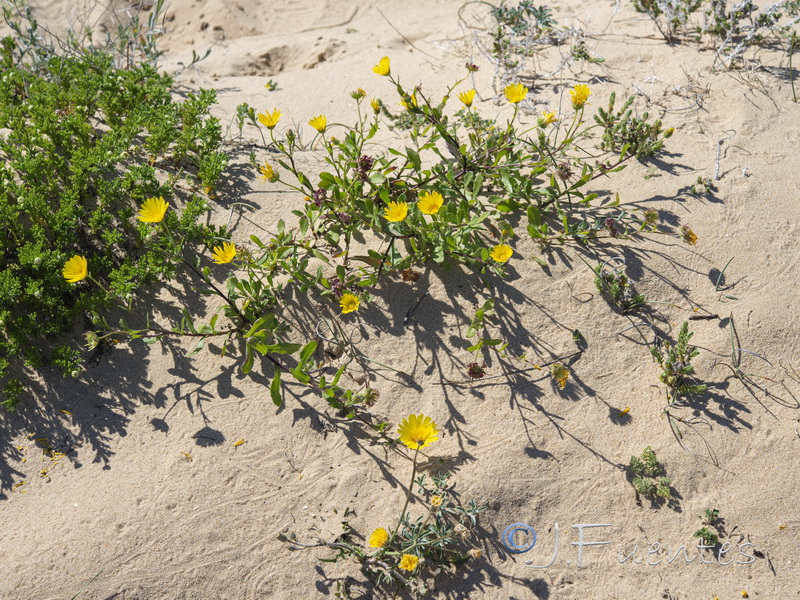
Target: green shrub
[87, 142]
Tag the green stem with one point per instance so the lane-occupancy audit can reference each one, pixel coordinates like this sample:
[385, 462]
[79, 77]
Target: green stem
[791, 70]
[408, 497]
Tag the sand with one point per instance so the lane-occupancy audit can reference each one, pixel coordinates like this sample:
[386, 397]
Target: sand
[155, 495]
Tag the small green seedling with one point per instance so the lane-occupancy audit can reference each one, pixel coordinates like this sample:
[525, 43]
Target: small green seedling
[616, 287]
[676, 361]
[708, 536]
[649, 477]
[710, 516]
[704, 186]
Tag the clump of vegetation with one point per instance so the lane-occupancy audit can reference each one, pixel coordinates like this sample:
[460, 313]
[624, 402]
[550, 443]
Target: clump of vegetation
[708, 534]
[746, 26]
[670, 16]
[89, 140]
[516, 34]
[675, 359]
[649, 477]
[415, 549]
[616, 287]
[703, 186]
[731, 32]
[625, 133]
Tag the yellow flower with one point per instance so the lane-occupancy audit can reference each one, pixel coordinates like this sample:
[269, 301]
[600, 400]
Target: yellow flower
[382, 68]
[153, 210]
[467, 97]
[267, 173]
[319, 123]
[688, 236]
[75, 269]
[560, 373]
[547, 118]
[409, 562]
[516, 92]
[437, 500]
[430, 202]
[580, 94]
[269, 120]
[407, 105]
[396, 212]
[223, 254]
[417, 431]
[378, 538]
[376, 104]
[501, 253]
[358, 94]
[349, 303]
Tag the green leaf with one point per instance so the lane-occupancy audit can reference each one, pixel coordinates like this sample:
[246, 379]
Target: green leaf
[283, 348]
[339, 373]
[508, 206]
[259, 324]
[304, 180]
[414, 158]
[300, 375]
[326, 180]
[275, 388]
[247, 365]
[533, 232]
[308, 351]
[534, 215]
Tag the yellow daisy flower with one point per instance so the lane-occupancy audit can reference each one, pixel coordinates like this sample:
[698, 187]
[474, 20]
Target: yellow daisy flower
[383, 67]
[267, 173]
[437, 500]
[378, 538]
[467, 97]
[75, 269]
[417, 431]
[349, 303]
[430, 202]
[501, 253]
[580, 94]
[319, 123]
[269, 120]
[409, 562]
[223, 254]
[153, 210]
[547, 118]
[395, 212]
[358, 94]
[376, 104]
[516, 92]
